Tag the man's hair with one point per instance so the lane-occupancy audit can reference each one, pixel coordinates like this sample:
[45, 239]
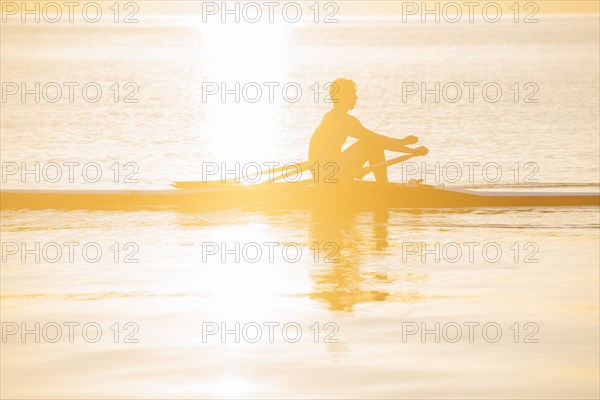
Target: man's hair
[340, 87]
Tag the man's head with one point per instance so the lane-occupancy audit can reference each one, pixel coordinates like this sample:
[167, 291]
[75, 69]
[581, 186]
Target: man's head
[343, 94]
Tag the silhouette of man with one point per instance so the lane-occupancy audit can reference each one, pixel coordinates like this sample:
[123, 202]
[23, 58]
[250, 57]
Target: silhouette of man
[327, 140]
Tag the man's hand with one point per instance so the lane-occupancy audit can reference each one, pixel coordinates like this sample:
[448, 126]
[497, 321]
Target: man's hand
[420, 151]
[410, 139]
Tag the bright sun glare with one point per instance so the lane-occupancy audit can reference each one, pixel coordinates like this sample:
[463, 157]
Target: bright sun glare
[249, 54]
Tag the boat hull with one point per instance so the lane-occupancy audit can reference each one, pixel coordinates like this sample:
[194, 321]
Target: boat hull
[362, 195]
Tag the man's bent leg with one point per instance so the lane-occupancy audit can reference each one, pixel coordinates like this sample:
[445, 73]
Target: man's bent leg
[355, 156]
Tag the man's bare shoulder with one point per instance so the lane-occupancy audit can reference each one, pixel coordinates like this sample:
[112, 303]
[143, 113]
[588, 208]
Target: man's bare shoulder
[352, 118]
[352, 122]
[340, 117]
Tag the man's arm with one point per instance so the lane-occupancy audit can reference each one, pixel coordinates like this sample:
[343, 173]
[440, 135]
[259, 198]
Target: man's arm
[358, 131]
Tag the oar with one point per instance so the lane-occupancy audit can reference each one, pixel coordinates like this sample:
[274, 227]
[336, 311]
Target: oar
[303, 166]
[300, 168]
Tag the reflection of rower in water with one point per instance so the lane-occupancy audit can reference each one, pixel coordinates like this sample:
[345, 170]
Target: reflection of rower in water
[329, 137]
[341, 283]
[347, 241]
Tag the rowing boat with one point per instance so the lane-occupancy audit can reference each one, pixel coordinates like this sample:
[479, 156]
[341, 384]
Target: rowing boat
[301, 195]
